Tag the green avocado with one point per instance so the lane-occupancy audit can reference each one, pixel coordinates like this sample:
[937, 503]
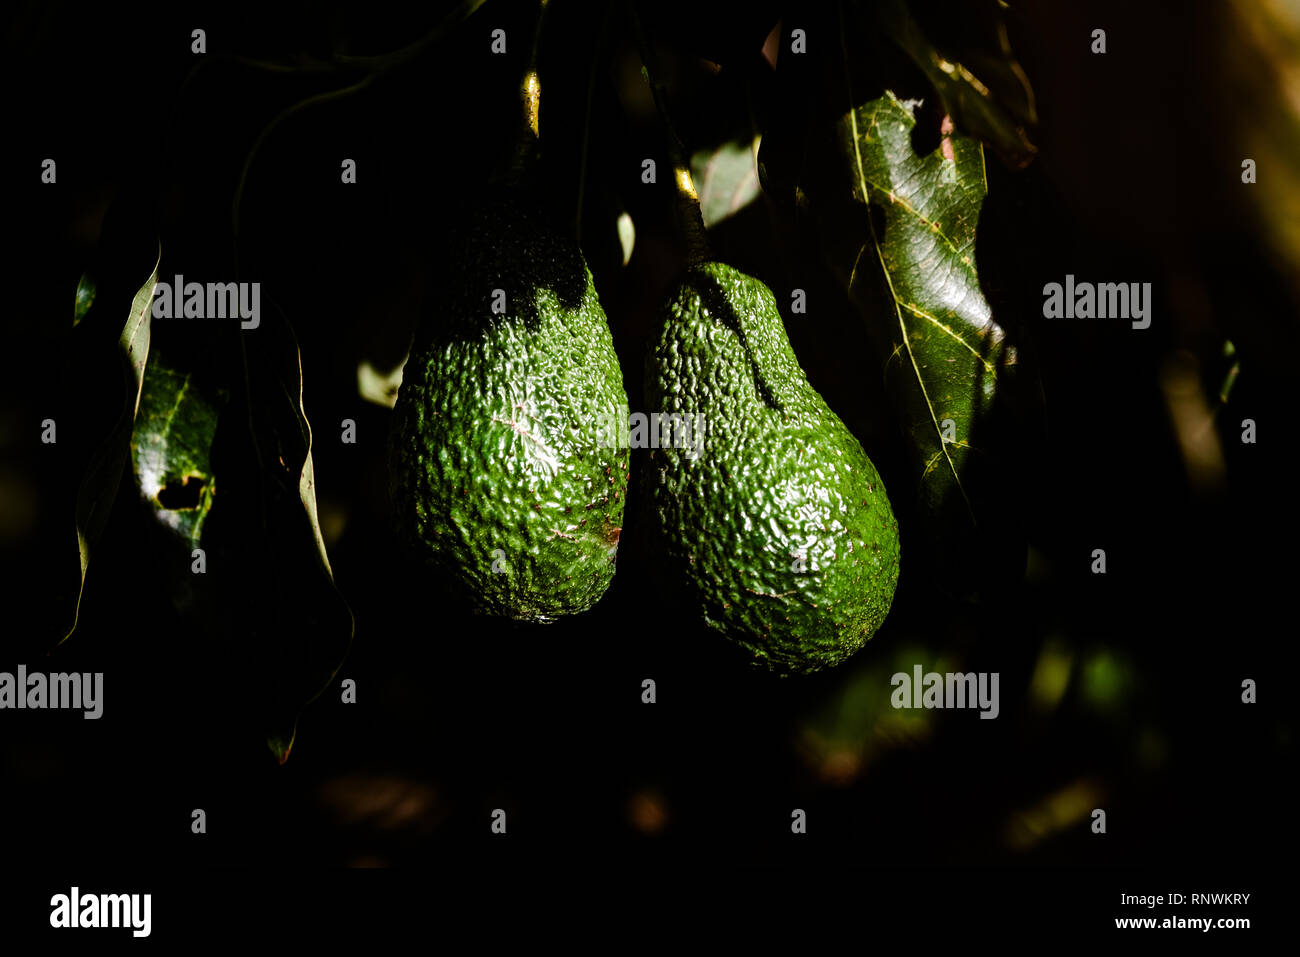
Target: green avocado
[771, 519]
[501, 473]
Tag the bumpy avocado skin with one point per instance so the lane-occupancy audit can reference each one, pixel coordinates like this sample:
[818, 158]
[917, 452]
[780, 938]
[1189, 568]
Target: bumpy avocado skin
[501, 474]
[779, 529]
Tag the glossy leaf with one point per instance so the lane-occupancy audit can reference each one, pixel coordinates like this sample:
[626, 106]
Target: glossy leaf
[171, 449]
[912, 272]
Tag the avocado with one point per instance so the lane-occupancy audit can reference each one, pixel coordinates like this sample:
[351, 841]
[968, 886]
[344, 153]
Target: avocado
[775, 526]
[500, 473]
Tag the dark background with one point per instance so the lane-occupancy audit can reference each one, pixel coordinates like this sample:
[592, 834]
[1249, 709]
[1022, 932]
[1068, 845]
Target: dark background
[1137, 179]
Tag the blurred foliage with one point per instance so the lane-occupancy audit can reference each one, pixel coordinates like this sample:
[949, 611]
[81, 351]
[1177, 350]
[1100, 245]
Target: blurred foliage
[842, 738]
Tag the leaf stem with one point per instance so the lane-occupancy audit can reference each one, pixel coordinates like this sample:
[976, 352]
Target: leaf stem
[279, 118]
[375, 66]
[690, 218]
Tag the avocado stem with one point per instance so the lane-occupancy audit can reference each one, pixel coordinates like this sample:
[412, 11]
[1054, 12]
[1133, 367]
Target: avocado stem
[530, 90]
[528, 138]
[690, 220]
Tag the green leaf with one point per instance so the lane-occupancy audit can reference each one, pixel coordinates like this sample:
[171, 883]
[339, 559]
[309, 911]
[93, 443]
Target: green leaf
[85, 298]
[102, 472]
[983, 88]
[171, 448]
[912, 272]
[726, 180]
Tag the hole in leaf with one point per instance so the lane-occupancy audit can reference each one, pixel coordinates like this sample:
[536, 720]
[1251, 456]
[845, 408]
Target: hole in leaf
[178, 495]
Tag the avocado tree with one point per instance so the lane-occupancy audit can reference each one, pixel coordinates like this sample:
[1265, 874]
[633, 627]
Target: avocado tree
[483, 360]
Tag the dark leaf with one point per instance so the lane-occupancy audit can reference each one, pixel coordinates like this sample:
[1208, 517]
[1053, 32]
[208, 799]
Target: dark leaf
[286, 622]
[729, 34]
[983, 88]
[113, 318]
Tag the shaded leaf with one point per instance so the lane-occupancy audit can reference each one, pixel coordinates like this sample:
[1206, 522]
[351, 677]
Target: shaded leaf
[85, 298]
[726, 180]
[912, 272]
[105, 314]
[984, 90]
[171, 448]
[286, 621]
[728, 34]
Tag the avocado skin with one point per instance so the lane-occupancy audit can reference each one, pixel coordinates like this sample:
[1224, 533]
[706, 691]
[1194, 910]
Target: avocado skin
[779, 477]
[495, 441]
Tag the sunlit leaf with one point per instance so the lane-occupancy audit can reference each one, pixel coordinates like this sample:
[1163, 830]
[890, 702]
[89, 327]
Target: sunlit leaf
[626, 235]
[912, 273]
[171, 448]
[726, 180]
[377, 386]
